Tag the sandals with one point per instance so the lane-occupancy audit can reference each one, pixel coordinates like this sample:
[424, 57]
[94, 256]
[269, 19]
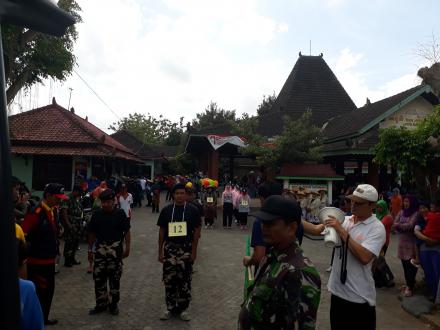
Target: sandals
[407, 292]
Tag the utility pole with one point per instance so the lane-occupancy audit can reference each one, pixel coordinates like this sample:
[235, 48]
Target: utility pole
[70, 96]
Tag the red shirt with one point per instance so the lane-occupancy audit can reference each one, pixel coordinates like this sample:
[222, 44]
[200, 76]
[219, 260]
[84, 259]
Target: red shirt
[432, 229]
[387, 221]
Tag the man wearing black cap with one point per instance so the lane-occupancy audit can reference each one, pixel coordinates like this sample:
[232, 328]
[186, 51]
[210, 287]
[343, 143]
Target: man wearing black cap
[41, 235]
[108, 228]
[287, 287]
[179, 234]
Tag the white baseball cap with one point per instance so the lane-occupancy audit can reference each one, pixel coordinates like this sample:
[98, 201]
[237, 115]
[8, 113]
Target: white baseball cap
[364, 192]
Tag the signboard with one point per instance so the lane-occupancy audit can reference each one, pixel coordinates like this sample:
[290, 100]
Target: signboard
[217, 141]
[310, 187]
[409, 116]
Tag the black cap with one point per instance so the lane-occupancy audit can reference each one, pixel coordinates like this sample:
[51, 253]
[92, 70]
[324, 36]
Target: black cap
[55, 189]
[279, 207]
[178, 186]
[106, 195]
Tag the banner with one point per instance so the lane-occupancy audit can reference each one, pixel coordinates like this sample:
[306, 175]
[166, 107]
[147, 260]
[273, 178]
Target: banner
[217, 141]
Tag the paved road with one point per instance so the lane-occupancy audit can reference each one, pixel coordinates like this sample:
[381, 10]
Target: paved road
[217, 285]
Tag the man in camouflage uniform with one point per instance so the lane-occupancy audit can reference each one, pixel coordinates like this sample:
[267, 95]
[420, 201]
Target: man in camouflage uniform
[287, 288]
[179, 234]
[71, 218]
[108, 229]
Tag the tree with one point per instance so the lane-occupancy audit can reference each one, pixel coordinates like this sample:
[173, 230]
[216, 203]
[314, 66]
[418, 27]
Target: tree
[300, 141]
[265, 107]
[413, 152]
[31, 56]
[213, 118]
[151, 130]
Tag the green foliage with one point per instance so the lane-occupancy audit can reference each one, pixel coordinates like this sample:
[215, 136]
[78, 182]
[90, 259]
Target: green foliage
[265, 107]
[405, 149]
[409, 150]
[300, 141]
[214, 118]
[182, 164]
[151, 130]
[31, 57]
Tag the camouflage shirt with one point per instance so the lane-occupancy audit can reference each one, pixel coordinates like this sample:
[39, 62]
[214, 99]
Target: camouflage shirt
[74, 209]
[286, 291]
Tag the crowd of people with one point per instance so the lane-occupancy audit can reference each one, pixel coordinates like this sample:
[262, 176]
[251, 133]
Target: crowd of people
[287, 287]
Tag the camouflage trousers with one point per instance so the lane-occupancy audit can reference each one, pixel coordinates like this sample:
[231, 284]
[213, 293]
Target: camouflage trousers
[107, 269]
[71, 241]
[177, 274]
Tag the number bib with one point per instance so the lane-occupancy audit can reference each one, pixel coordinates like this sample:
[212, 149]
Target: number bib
[244, 203]
[210, 199]
[176, 229]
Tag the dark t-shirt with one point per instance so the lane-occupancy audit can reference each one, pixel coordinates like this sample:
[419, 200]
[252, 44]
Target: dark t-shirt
[109, 227]
[192, 219]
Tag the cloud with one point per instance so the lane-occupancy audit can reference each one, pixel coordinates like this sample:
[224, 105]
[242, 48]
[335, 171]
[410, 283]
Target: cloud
[171, 57]
[347, 69]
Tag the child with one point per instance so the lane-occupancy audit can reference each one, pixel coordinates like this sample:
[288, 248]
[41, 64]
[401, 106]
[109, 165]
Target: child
[428, 225]
[227, 200]
[210, 207]
[243, 208]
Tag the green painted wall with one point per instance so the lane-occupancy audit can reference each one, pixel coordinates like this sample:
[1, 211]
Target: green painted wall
[22, 168]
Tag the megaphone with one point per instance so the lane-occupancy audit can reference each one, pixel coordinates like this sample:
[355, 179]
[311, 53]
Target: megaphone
[331, 237]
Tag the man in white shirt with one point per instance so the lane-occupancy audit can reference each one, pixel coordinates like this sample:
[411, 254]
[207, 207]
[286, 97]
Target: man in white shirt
[125, 199]
[351, 281]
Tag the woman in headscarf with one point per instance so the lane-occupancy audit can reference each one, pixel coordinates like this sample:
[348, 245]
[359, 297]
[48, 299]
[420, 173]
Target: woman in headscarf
[404, 224]
[383, 214]
[382, 274]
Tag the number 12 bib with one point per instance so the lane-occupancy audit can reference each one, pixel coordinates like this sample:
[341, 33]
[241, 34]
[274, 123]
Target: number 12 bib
[177, 228]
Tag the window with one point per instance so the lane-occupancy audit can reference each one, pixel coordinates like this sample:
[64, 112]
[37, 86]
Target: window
[52, 169]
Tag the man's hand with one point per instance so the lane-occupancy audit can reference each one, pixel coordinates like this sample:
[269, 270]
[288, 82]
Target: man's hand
[246, 261]
[126, 253]
[319, 228]
[160, 258]
[332, 222]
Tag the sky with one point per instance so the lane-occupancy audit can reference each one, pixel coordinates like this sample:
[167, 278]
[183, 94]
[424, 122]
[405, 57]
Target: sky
[173, 57]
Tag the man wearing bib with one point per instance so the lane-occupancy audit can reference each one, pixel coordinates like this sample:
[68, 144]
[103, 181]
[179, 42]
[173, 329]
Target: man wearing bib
[179, 233]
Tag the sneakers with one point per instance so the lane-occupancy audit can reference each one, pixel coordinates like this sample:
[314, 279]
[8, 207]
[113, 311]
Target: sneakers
[184, 316]
[166, 316]
[97, 310]
[113, 309]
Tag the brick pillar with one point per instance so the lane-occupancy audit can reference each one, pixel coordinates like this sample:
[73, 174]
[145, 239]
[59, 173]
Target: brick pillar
[213, 164]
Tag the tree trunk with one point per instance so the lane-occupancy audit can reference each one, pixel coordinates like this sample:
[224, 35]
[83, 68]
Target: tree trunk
[17, 84]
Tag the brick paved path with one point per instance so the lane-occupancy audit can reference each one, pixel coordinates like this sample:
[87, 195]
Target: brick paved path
[217, 285]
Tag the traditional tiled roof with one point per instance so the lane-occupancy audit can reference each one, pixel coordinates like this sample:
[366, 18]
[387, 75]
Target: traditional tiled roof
[53, 130]
[311, 85]
[144, 151]
[353, 122]
[308, 171]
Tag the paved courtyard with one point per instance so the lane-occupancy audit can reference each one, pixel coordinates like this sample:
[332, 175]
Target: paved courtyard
[217, 285]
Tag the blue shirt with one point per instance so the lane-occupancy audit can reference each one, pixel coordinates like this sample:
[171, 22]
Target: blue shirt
[257, 234]
[31, 314]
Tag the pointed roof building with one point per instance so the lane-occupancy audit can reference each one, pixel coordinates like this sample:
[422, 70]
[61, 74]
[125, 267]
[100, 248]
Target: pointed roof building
[311, 85]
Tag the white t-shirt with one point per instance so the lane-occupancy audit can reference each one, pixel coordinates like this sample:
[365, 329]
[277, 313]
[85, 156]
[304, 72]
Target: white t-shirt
[143, 182]
[359, 286]
[125, 204]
